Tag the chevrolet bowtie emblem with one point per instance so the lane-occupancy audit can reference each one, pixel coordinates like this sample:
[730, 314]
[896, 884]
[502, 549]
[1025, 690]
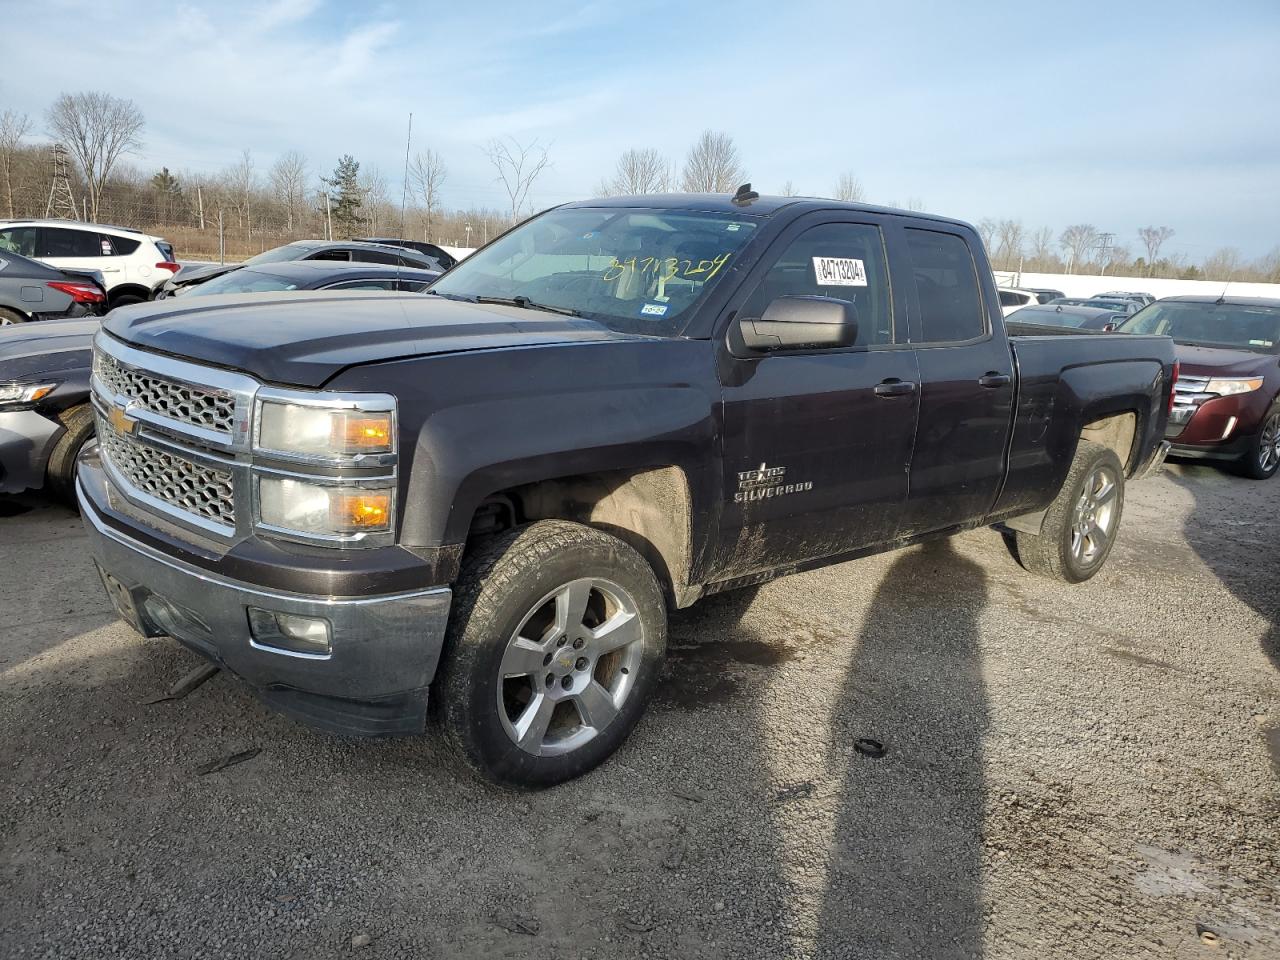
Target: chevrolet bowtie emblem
[121, 422]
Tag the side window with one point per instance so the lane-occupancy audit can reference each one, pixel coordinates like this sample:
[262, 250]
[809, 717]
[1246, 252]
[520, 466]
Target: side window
[1010, 299]
[412, 286]
[843, 261]
[947, 286]
[361, 285]
[375, 256]
[59, 242]
[21, 240]
[120, 246]
[343, 255]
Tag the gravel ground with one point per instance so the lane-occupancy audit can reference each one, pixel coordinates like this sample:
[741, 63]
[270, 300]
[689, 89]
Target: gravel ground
[1070, 772]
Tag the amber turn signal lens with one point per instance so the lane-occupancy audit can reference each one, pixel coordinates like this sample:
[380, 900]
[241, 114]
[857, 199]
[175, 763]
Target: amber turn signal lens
[361, 511]
[363, 433]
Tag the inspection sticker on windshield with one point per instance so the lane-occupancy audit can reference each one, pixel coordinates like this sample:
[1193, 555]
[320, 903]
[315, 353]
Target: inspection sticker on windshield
[654, 310]
[839, 272]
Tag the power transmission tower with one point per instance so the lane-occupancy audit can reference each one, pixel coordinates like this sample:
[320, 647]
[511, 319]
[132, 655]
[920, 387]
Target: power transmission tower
[1104, 247]
[61, 202]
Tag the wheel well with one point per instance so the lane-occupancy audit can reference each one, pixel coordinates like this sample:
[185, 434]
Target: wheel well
[1116, 432]
[128, 290]
[648, 509]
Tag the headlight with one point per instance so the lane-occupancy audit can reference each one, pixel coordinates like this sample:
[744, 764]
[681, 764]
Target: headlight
[1226, 386]
[14, 394]
[323, 432]
[324, 510]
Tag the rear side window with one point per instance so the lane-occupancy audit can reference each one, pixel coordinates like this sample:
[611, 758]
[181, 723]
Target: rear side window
[843, 261]
[123, 246]
[375, 256]
[947, 287]
[343, 255]
[59, 242]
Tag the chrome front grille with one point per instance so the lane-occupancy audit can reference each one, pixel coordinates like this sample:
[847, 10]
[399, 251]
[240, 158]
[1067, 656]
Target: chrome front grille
[211, 409]
[1188, 394]
[1189, 385]
[176, 481]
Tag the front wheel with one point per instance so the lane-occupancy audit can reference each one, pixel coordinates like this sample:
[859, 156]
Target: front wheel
[1080, 526]
[555, 641]
[1263, 458]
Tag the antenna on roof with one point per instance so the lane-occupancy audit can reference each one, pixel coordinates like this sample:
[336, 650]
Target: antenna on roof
[1222, 297]
[745, 195]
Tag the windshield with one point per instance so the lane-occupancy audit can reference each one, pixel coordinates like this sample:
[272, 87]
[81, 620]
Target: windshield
[243, 281]
[1239, 325]
[635, 271]
[1050, 318]
[290, 251]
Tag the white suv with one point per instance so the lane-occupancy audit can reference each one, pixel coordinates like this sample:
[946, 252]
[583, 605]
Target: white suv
[132, 263]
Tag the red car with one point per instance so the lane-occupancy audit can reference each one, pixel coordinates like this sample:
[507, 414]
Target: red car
[1225, 400]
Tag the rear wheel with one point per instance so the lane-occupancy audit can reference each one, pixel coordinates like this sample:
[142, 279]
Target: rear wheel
[1080, 526]
[8, 317]
[1262, 461]
[61, 471]
[125, 299]
[556, 638]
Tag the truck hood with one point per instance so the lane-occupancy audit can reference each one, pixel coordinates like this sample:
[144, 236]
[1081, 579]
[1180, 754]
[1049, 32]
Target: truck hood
[305, 338]
[30, 350]
[1224, 362]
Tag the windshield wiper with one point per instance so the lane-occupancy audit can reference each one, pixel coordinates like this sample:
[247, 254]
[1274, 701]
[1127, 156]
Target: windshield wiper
[524, 303]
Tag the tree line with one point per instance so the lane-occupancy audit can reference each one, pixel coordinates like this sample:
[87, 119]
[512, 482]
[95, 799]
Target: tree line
[248, 208]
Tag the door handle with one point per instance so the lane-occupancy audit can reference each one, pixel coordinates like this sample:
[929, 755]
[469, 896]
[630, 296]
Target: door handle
[895, 388]
[993, 380]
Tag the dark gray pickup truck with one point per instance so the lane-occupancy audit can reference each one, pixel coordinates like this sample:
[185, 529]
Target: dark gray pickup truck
[493, 493]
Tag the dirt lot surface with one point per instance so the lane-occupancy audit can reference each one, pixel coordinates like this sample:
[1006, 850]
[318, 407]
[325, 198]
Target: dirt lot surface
[1069, 772]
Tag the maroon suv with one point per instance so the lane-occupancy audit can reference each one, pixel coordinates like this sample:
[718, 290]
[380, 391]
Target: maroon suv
[1225, 400]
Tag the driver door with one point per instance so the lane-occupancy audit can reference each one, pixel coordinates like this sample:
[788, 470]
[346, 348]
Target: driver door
[817, 442]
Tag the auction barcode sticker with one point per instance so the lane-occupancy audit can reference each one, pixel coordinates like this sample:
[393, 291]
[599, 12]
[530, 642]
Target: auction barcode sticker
[839, 272]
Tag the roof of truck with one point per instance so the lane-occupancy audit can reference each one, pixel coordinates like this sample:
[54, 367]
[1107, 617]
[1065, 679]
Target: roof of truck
[761, 206]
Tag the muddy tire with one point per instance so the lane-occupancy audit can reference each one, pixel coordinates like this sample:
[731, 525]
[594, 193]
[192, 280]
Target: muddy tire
[555, 642]
[1263, 458]
[9, 317]
[61, 472]
[1081, 524]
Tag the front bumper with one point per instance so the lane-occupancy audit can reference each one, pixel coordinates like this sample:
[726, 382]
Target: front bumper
[26, 440]
[385, 648]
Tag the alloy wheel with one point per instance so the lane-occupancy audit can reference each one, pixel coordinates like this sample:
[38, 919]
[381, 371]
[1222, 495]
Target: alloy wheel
[1094, 518]
[570, 666]
[1269, 444]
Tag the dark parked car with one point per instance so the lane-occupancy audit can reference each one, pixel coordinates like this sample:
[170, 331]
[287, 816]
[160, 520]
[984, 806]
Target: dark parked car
[342, 251]
[45, 418]
[1122, 307]
[1083, 318]
[1141, 299]
[1225, 406]
[316, 275]
[443, 258]
[31, 290]
[492, 493]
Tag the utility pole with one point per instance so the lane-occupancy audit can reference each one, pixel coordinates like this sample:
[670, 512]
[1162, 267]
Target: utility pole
[200, 204]
[1104, 246]
[468, 229]
[328, 215]
[222, 239]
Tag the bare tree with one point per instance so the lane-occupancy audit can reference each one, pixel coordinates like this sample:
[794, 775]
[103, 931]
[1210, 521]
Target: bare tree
[987, 231]
[915, 204]
[518, 166]
[849, 187]
[97, 128]
[789, 189]
[288, 178]
[13, 127]
[712, 165]
[427, 173]
[1269, 267]
[640, 170]
[1222, 264]
[1009, 240]
[1153, 238]
[373, 185]
[1042, 246]
[1078, 239]
[240, 180]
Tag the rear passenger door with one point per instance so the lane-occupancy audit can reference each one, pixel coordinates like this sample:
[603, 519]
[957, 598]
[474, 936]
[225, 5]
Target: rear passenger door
[966, 382]
[70, 249]
[816, 443]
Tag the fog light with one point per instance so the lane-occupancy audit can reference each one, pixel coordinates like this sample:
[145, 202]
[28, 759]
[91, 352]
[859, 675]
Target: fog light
[290, 632]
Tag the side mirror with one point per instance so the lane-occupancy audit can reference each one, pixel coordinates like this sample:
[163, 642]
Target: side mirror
[1109, 328]
[797, 322]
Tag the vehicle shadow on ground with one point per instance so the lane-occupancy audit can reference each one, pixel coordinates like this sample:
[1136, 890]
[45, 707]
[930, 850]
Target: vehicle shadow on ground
[1239, 545]
[906, 873]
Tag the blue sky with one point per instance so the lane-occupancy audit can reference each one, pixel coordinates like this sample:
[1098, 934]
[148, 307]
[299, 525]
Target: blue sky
[1120, 114]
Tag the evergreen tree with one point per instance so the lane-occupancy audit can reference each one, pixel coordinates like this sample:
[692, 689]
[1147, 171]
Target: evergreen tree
[168, 195]
[343, 189]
